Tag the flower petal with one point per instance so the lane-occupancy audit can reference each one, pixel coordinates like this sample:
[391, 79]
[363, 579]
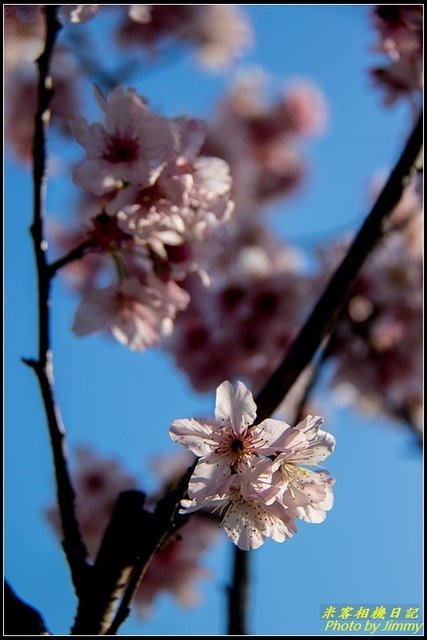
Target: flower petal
[317, 451]
[269, 434]
[195, 434]
[211, 476]
[235, 405]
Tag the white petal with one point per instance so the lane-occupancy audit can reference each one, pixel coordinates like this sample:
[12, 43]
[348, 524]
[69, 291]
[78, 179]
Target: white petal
[237, 406]
[310, 426]
[195, 434]
[211, 476]
[317, 451]
[269, 435]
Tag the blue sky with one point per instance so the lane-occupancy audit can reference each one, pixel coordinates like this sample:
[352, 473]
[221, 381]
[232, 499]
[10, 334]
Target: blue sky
[369, 550]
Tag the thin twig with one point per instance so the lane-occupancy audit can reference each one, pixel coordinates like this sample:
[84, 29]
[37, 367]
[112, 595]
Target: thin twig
[73, 546]
[238, 594]
[75, 254]
[333, 299]
[20, 619]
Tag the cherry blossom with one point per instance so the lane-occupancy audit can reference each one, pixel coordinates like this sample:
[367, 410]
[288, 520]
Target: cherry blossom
[248, 510]
[131, 147]
[253, 472]
[136, 314]
[219, 33]
[400, 31]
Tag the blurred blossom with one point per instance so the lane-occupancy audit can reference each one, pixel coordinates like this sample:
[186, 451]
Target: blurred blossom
[23, 40]
[136, 314]
[400, 38]
[152, 204]
[219, 33]
[176, 568]
[21, 101]
[30, 13]
[377, 345]
[242, 324]
[97, 482]
[261, 141]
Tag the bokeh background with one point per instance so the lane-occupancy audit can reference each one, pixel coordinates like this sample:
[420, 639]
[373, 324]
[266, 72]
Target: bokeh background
[120, 403]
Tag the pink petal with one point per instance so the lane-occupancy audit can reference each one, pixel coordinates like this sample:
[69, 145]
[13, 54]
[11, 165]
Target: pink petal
[237, 406]
[195, 435]
[269, 435]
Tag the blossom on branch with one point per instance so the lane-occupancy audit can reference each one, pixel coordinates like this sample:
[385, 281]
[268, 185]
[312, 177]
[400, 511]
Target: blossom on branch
[253, 472]
[136, 314]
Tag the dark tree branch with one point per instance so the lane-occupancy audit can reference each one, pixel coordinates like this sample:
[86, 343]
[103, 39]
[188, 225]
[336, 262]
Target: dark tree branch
[323, 356]
[162, 525]
[238, 594]
[116, 558]
[334, 298]
[73, 546]
[20, 619]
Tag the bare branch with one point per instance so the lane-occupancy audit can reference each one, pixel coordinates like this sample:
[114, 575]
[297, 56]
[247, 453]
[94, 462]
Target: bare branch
[114, 563]
[164, 523]
[74, 548]
[20, 619]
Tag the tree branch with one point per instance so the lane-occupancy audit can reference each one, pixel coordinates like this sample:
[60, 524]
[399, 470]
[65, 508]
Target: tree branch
[73, 546]
[117, 555]
[162, 524]
[238, 594]
[19, 617]
[334, 297]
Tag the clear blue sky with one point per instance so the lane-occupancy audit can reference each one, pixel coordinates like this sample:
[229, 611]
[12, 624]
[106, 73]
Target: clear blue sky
[369, 550]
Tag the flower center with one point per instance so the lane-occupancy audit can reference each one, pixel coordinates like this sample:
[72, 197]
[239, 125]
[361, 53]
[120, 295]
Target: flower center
[120, 147]
[237, 446]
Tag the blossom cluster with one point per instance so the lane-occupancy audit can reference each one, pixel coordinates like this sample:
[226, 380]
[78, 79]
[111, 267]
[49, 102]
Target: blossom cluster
[400, 38]
[242, 324]
[159, 203]
[255, 474]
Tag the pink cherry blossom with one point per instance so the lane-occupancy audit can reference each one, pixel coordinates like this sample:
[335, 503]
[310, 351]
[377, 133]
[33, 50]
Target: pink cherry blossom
[136, 314]
[377, 357]
[253, 472]
[248, 510]
[308, 492]
[131, 147]
[226, 445]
